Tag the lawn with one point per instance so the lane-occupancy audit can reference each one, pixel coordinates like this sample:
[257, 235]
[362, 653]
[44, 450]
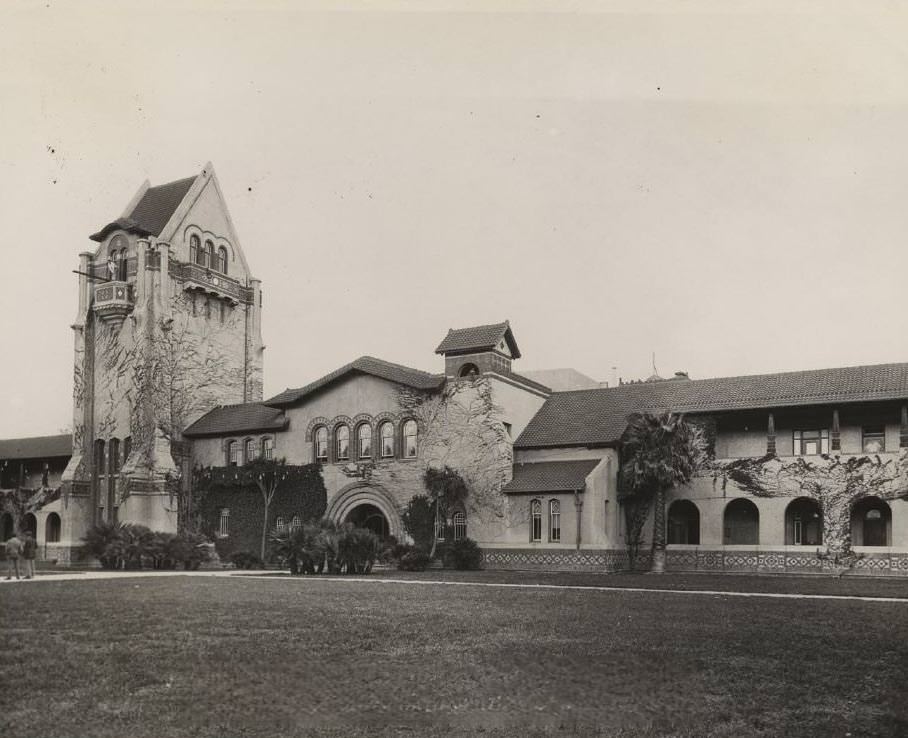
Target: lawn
[281, 656]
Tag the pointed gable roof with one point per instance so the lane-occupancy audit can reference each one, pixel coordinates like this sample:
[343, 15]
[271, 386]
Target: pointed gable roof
[153, 210]
[478, 338]
[397, 373]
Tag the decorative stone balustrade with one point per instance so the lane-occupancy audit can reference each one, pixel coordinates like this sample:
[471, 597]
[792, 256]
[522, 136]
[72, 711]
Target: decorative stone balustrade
[196, 277]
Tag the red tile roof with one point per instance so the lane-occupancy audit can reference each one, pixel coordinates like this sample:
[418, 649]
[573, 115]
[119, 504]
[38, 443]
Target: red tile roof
[397, 373]
[598, 417]
[152, 212]
[38, 447]
[550, 476]
[228, 419]
[478, 338]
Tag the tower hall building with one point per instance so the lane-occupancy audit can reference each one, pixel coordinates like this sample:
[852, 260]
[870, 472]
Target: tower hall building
[807, 471]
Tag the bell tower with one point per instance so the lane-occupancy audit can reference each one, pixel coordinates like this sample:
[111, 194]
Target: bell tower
[168, 326]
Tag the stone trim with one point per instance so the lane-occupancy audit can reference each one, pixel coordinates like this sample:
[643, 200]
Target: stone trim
[360, 493]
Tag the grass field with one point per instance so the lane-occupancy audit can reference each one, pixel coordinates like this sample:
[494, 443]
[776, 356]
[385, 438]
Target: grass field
[181, 656]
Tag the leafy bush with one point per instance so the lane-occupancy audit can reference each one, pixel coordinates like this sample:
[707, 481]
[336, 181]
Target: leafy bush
[357, 549]
[129, 546]
[419, 520]
[304, 549]
[463, 554]
[415, 560]
[246, 560]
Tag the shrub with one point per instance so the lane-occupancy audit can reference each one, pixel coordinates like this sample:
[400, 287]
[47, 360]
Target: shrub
[419, 520]
[357, 549]
[246, 560]
[415, 560]
[128, 546]
[189, 549]
[303, 550]
[464, 554]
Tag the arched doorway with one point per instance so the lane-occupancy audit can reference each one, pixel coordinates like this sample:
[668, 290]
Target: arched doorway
[52, 528]
[803, 523]
[369, 517]
[369, 495]
[741, 523]
[871, 522]
[683, 523]
[30, 524]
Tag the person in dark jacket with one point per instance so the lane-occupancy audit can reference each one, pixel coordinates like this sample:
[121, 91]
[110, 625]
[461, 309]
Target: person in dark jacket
[13, 552]
[29, 549]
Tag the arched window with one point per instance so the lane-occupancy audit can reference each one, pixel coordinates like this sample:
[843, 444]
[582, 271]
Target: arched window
[268, 448]
[386, 431]
[741, 523]
[222, 260]
[554, 521]
[250, 450]
[410, 439]
[207, 255]
[803, 523]
[683, 523]
[364, 441]
[120, 260]
[194, 249]
[296, 523]
[871, 522]
[342, 443]
[460, 525]
[30, 524]
[52, 528]
[280, 524]
[536, 520]
[469, 371]
[321, 444]
[224, 523]
[233, 453]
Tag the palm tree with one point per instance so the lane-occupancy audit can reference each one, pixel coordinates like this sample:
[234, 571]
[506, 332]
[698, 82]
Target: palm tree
[658, 452]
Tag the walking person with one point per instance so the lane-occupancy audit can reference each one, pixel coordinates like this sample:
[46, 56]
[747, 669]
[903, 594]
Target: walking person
[13, 552]
[29, 549]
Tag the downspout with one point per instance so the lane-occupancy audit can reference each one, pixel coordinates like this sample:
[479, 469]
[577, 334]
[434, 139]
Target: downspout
[578, 507]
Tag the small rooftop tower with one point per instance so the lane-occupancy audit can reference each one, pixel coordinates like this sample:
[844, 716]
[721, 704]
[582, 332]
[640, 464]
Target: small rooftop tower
[478, 350]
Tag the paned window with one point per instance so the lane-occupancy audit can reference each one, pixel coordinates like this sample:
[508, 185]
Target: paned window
[364, 441]
[208, 259]
[874, 439]
[554, 520]
[410, 440]
[222, 260]
[296, 524]
[460, 525]
[233, 453]
[280, 524]
[342, 445]
[224, 523]
[387, 439]
[250, 450]
[536, 520]
[321, 443]
[811, 442]
[194, 248]
[268, 448]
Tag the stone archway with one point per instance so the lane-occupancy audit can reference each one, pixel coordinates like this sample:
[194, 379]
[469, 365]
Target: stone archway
[360, 494]
[370, 517]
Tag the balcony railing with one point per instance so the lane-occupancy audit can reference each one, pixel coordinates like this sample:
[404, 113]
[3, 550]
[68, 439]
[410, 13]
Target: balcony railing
[113, 301]
[195, 276]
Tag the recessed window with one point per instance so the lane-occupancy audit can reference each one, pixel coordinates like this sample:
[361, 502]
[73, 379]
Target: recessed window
[507, 429]
[222, 260]
[296, 524]
[250, 450]
[321, 444]
[280, 524]
[267, 448]
[233, 453]
[554, 520]
[460, 525]
[410, 440]
[874, 439]
[208, 257]
[536, 520]
[195, 247]
[364, 441]
[224, 523]
[811, 442]
[387, 439]
[342, 444]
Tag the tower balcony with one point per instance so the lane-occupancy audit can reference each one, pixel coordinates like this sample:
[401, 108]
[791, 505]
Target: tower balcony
[197, 277]
[113, 301]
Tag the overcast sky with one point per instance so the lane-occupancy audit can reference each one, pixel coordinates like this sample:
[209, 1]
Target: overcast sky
[723, 184]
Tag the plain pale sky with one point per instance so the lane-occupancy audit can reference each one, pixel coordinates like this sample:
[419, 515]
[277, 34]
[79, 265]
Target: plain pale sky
[722, 183]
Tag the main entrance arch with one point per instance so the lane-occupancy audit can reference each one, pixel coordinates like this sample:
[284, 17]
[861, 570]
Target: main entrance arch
[369, 506]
